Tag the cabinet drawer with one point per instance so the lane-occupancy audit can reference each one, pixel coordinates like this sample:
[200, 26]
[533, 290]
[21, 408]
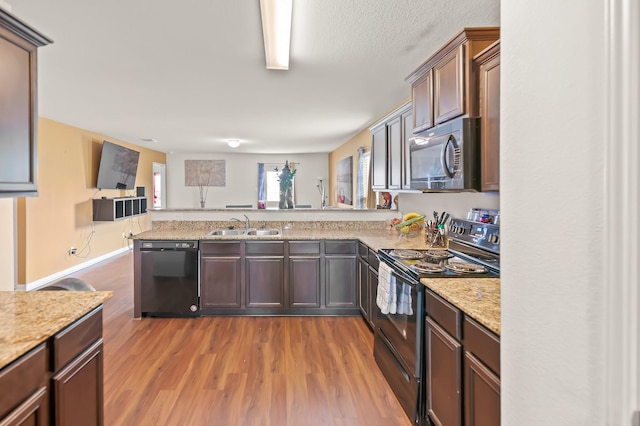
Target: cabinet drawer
[221, 248]
[373, 259]
[448, 316]
[275, 248]
[304, 247]
[363, 250]
[74, 339]
[23, 377]
[340, 247]
[482, 343]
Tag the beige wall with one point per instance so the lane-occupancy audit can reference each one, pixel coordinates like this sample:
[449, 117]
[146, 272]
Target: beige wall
[7, 260]
[350, 148]
[61, 215]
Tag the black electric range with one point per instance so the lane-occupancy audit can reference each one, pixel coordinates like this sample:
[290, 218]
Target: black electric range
[474, 251]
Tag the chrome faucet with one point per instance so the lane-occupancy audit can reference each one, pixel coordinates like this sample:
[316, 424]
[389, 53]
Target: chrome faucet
[246, 222]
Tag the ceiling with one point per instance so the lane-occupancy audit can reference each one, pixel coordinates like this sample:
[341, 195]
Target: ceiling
[191, 74]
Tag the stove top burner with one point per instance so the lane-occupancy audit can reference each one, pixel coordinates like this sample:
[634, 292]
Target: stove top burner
[465, 268]
[408, 254]
[427, 268]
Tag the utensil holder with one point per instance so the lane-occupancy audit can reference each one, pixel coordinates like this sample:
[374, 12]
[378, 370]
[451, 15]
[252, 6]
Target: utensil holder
[436, 237]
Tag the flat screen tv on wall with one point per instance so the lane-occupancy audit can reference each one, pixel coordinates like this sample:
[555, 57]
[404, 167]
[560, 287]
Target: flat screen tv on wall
[118, 167]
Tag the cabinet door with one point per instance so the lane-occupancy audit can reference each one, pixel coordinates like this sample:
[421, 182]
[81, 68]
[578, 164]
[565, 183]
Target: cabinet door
[407, 123]
[265, 282]
[24, 399]
[220, 282]
[340, 282]
[364, 301]
[18, 97]
[482, 393]
[448, 85]
[379, 158]
[490, 123]
[394, 140]
[373, 292]
[304, 282]
[444, 376]
[77, 390]
[422, 95]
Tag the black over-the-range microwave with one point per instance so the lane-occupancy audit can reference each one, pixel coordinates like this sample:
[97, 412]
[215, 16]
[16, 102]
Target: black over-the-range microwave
[447, 157]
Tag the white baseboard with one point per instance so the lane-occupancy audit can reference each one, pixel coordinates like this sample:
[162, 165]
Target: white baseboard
[54, 277]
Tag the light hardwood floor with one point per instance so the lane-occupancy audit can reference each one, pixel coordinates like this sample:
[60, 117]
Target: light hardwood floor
[235, 370]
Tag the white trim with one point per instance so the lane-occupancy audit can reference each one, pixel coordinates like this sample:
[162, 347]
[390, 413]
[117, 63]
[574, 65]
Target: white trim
[47, 280]
[621, 302]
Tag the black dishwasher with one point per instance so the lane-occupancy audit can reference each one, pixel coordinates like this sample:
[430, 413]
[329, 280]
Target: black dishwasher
[169, 278]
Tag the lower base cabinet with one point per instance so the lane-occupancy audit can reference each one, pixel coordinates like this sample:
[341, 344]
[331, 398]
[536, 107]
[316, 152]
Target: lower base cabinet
[291, 277]
[462, 367]
[60, 382]
[367, 283]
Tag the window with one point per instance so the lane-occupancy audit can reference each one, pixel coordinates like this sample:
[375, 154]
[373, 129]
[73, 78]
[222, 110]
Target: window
[362, 189]
[269, 186]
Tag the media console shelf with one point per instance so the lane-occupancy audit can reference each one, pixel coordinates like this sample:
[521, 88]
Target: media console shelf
[110, 209]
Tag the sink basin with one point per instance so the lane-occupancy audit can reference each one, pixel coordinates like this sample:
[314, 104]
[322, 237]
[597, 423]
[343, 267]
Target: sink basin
[243, 231]
[264, 232]
[228, 232]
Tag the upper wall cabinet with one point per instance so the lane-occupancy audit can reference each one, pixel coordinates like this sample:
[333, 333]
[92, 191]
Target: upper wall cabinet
[18, 106]
[389, 165]
[487, 64]
[444, 86]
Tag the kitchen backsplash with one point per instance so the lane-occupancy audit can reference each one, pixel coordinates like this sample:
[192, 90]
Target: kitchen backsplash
[456, 204]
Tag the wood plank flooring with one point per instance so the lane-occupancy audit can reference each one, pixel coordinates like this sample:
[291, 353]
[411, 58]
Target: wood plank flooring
[235, 370]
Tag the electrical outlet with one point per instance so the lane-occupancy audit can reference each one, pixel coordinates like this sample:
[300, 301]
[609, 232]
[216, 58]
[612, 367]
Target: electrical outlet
[72, 251]
[124, 235]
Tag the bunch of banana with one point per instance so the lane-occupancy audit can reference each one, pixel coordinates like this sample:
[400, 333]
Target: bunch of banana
[411, 222]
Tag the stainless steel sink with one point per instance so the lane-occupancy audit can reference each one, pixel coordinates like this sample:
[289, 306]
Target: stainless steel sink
[228, 232]
[244, 231]
[264, 232]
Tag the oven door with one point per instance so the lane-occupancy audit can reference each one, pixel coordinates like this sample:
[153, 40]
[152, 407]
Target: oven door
[402, 330]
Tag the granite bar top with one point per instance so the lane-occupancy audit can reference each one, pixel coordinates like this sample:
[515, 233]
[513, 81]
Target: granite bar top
[28, 318]
[478, 298]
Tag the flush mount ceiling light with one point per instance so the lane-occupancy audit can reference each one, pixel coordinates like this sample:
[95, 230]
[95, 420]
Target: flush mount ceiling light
[233, 143]
[276, 31]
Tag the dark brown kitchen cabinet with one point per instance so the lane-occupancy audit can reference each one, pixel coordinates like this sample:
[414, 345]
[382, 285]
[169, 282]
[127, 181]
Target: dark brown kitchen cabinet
[482, 393]
[407, 123]
[387, 150]
[265, 274]
[422, 95]
[220, 274]
[448, 86]
[18, 93]
[462, 367]
[76, 384]
[304, 274]
[379, 157]
[77, 389]
[340, 274]
[445, 84]
[488, 65]
[367, 283]
[444, 376]
[58, 382]
[27, 402]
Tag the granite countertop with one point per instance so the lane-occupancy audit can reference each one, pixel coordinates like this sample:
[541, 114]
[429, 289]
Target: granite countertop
[28, 318]
[478, 298]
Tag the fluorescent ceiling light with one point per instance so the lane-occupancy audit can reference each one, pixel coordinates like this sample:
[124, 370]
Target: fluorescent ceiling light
[233, 143]
[276, 31]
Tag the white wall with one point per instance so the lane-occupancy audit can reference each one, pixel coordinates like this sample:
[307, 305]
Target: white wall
[8, 238]
[552, 172]
[242, 179]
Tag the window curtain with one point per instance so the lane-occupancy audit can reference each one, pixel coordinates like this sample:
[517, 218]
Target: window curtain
[261, 187]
